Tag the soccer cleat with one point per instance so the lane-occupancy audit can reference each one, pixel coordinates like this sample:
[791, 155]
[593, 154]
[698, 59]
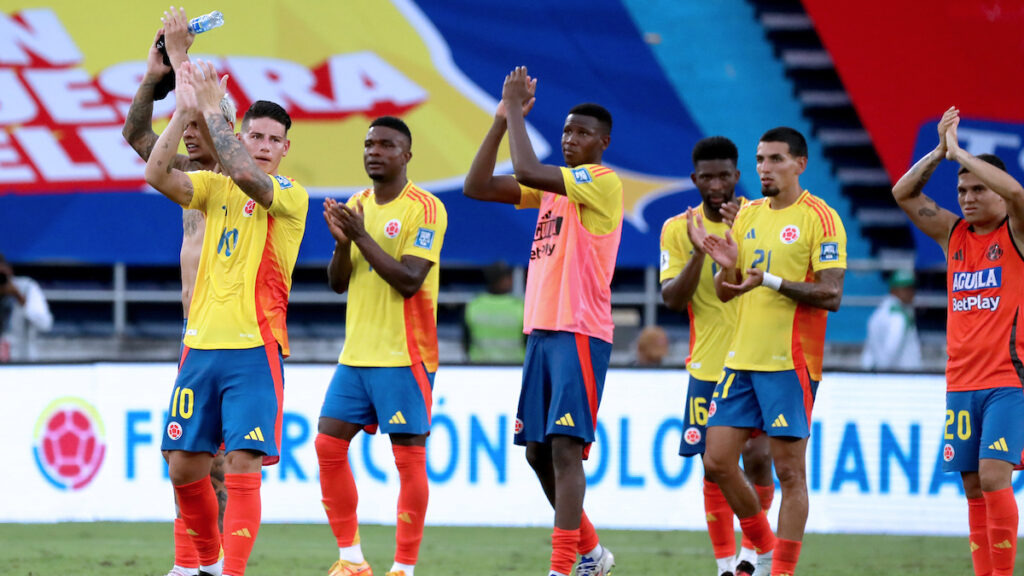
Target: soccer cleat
[764, 565]
[177, 571]
[396, 573]
[600, 566]
[346, 568]
[744, 568]
[726, 574]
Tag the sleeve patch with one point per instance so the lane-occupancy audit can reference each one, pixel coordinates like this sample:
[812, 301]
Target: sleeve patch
[829, 252]
[424, 239]
[284, 182]
[664, 260]
[581, 175]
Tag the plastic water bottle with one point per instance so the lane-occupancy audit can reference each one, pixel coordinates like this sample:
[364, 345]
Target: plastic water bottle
[206, 22]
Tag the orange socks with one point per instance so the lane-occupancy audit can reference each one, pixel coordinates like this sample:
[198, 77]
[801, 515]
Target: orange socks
[241, 520]
[338, 488]
[198, 504]
[719, 518]
[766, 494]
[1002, 530]
[977, 518]
[413, 494]
[563, 549]
[184, 552]
[588, 536]
[756, 528]
[787, 552]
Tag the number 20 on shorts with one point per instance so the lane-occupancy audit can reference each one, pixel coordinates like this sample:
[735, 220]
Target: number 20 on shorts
[183, 403]
[963, 424]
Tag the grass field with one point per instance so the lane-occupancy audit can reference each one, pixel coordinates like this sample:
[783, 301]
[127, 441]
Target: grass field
[144, 549]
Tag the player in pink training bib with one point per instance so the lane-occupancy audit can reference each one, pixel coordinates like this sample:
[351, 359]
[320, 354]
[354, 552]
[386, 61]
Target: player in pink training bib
[568, 301]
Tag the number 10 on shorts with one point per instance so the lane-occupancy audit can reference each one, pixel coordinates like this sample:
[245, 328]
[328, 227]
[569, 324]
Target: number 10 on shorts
[183, 403]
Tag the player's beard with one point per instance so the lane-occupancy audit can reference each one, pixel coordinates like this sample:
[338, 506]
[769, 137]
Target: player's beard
[769, 191]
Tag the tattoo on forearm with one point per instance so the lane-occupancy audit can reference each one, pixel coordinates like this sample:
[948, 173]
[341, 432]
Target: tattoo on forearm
[926, 173]
[138, 125]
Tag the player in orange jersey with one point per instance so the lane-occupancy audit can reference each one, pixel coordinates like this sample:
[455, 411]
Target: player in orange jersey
[985, 285]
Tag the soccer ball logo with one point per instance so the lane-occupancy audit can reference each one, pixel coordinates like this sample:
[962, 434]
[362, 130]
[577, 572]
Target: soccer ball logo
[692, 436]
[712, 408]
[789, 234]
[250, 207]
[948, 453]
[174, 431]
[519, 426]
[69, 443]
[392, 228]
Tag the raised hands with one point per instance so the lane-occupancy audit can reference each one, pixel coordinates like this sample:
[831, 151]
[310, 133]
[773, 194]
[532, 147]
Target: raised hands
[949, 117]
[344, 223]
[695, 229]
[519, 90]
[177, 38]
[951, 139]
[155, 67]
[198, 89]
[724, 251]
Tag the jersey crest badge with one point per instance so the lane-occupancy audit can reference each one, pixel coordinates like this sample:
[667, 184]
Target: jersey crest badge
[581, 175]
[284, 182]
[392, 228]
[424, 239]
[994, 252]
[789, 234]
[249, 208]
[829, 252]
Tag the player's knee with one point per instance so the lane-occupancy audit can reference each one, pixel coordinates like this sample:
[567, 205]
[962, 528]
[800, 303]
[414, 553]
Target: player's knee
[717, 468]
[535, 456]
[243, 462]
[792, 474]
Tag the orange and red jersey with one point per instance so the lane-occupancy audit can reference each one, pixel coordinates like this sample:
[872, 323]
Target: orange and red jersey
[985, 284]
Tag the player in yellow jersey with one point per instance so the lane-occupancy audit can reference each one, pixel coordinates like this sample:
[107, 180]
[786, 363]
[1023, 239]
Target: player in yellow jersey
[687, 284]
[138, 132]
[387, 248]
[785, 260]
[230, 382]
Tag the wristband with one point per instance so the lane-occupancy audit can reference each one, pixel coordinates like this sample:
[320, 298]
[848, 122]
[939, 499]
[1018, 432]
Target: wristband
[771, 281]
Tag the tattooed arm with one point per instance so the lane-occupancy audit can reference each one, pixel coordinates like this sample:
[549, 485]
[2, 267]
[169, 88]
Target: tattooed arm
[924, 212]
[138, 124]
[236, 162]
[160, 171]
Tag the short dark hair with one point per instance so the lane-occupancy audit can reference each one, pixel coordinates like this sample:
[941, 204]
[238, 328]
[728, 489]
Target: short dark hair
[715, 148]
[797, 142]
[990, 158]
[267, 109]
[594, 111]
[394, 124]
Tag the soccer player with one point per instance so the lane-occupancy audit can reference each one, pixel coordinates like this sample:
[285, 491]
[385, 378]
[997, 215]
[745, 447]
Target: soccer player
[568, 302]
[785, 260]
[230, 381]
[138, 132]
[687, 284]
[387, 246]
[985, 283]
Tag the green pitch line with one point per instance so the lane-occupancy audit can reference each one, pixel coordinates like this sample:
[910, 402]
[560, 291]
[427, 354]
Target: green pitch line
[145, 549]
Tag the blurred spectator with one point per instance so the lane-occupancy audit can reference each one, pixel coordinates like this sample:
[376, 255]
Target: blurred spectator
[23, 313]
[651, 346]
[892, 341]
[494, 321]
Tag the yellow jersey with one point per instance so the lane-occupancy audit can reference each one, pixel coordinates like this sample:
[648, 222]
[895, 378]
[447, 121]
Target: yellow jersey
[774, 332]
[245, 270]
[381, 327]
[711, 320]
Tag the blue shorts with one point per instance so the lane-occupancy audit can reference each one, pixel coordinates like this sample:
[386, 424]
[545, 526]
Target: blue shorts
[982, 424]
[695, 416]
[779, 403]
[563, 379]
[234, 396]
[397, 398]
